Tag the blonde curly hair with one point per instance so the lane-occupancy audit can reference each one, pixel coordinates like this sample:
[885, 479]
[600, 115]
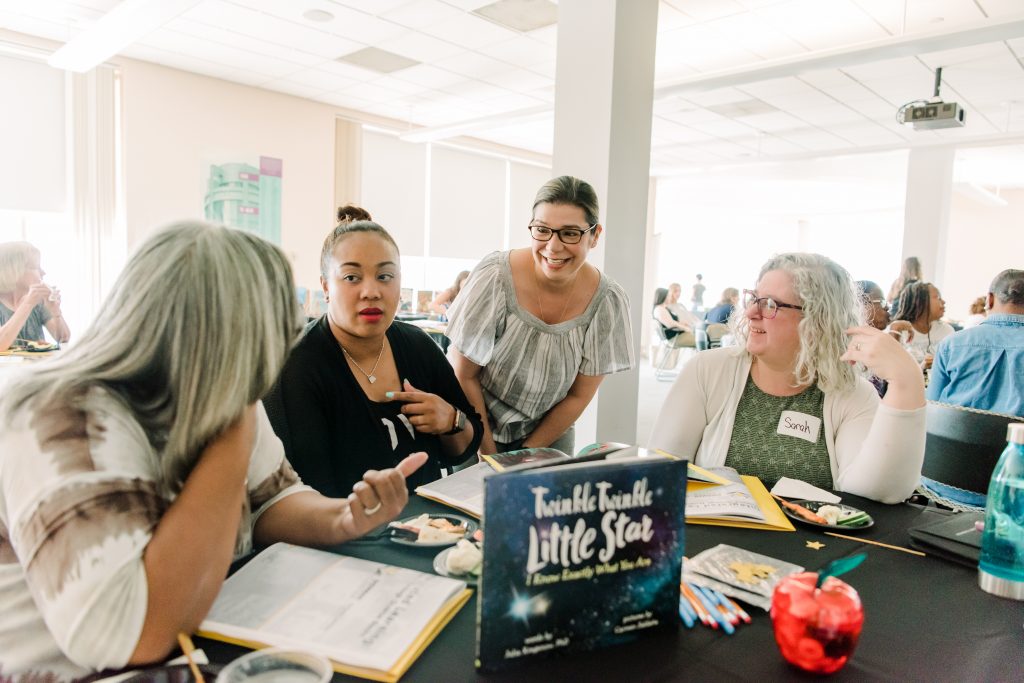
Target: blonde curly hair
[831, 304]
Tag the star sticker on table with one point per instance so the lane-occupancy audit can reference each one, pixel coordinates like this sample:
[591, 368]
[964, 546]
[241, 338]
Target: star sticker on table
[815, 545]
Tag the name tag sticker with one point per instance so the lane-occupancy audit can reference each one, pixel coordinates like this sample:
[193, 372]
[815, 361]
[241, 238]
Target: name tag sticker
[800, 425]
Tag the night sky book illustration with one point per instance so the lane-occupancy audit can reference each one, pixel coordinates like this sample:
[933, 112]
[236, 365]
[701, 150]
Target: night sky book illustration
[579, 556]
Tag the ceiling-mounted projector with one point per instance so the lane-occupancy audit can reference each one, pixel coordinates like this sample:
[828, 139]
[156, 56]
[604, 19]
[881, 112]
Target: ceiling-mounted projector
[931, 114]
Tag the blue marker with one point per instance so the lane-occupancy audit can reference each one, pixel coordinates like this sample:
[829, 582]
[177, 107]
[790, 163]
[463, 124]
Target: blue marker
[685, 612]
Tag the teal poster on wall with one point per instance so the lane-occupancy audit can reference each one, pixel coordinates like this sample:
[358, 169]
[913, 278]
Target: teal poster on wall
[246, 195]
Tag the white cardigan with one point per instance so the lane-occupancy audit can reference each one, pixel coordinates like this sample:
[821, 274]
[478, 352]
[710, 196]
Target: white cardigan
[875, 451]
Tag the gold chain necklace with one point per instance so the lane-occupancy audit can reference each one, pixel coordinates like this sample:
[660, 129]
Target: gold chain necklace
[572, 290]
[369, 375]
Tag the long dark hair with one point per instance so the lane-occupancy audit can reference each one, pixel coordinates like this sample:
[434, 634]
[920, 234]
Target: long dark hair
[914, 302]
[660, 294]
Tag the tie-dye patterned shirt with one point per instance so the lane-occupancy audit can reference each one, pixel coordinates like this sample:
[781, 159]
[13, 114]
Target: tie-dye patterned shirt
[79, 502]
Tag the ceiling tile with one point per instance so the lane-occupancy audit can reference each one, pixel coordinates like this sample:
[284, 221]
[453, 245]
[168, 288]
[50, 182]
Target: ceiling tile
[521, 50]
[420, 13]
[428, 76]
[821, 24]
[756, 37]
[706, 10]
[827, 115]
[419, 46]
[469, 31]
[472, 64]
[520, 80]
[251, 44]
[321, 80]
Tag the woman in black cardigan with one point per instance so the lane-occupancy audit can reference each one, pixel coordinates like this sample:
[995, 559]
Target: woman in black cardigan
[361, 391]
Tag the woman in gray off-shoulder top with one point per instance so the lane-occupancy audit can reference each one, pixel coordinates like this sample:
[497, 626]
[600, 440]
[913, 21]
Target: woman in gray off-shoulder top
[535, 330]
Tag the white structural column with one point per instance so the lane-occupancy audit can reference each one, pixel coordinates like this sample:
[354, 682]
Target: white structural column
[926, 213]
[604, 89]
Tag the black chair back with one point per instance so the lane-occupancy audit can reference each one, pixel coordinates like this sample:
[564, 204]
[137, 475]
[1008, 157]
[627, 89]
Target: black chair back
[963, 444]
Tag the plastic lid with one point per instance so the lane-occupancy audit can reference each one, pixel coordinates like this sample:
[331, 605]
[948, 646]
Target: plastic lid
[1015, 432]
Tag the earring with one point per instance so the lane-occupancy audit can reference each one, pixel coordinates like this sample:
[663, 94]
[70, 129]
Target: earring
[327, 299]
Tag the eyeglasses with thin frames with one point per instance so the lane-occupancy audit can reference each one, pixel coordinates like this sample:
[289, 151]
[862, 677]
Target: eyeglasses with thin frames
[543, 233]
[767, 307]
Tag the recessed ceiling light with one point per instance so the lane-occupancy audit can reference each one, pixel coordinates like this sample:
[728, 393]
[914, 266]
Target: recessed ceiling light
[318, 15]
[520, 15]
[375, 59]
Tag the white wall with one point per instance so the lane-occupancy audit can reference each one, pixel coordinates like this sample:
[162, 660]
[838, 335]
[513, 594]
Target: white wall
[983, 240]
[175, 121]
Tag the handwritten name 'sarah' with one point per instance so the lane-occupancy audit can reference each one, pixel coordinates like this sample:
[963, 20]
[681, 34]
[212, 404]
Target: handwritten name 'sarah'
[573, 543]
[789, 423]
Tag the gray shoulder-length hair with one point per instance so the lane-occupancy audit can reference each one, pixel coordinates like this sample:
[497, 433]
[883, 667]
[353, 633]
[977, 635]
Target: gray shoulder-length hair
[831, 304]
[13, 259]
[197, 326]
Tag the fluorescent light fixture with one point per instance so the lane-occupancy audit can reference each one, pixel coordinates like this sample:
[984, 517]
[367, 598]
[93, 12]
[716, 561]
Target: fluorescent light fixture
[116, 30]
[482, 123]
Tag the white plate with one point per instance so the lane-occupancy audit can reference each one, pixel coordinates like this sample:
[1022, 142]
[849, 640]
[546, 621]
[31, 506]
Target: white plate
[471, 526]
[441, 567]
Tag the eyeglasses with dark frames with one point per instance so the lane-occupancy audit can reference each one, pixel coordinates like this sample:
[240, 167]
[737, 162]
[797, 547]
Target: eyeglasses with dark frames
[543, 233]
[767, 307]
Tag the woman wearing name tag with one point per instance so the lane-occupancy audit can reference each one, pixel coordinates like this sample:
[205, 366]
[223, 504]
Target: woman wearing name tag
[787, 401]
[361, 390]
[137, 465]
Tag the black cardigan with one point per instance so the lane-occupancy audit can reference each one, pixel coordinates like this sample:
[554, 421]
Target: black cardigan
[324, 418]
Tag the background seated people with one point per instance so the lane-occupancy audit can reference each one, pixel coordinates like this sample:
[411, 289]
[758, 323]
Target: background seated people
[27, 305]
[787, 402]
[672, 324]
[910, 271]
[137, 465]
[983, 367]
[977, 313]
[446, 297]
[535, 330]
[361, 391]
[922, 306]
[723, 309]
[876, 315]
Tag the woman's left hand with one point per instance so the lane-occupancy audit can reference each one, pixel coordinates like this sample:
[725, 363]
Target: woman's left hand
[428, 413]
[52, 302]
[880, 353]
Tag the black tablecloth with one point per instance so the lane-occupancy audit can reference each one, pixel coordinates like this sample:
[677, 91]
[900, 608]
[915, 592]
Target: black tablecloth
[925, 619]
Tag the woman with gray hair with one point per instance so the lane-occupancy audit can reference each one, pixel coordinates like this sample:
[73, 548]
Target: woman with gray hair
[137, 465]
[27, 305]
[787, 400]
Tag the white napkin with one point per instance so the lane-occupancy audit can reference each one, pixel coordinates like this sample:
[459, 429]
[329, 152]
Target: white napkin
[795, 488]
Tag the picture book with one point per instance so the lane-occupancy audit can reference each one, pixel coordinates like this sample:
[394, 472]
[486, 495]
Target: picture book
[591, 559]
[371, 620]
[719, 496]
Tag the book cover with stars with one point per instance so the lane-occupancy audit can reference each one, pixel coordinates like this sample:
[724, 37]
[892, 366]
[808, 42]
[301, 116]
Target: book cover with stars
[579, 556]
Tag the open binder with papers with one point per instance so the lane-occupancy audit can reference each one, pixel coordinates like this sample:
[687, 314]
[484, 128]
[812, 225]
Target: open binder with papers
[719, 496]
[371, 620]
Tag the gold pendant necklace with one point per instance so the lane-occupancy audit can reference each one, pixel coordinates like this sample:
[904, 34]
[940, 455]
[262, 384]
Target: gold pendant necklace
[369, 375]
[568, 299]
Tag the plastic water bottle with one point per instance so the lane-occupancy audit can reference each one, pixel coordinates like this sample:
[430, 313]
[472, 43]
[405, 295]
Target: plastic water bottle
[1001, 568]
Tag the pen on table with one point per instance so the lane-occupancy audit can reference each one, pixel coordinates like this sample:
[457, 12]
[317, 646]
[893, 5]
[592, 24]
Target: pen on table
[715, 614]
[739, 610]
[880, 545]
[705, 618]
[188, 648]
[686, 613]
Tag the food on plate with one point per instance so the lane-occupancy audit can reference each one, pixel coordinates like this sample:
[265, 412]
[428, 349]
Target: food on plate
[427, 529]
[801, 511]
[465, 558]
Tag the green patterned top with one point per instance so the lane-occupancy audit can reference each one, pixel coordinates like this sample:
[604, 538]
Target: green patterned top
[758, 448]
